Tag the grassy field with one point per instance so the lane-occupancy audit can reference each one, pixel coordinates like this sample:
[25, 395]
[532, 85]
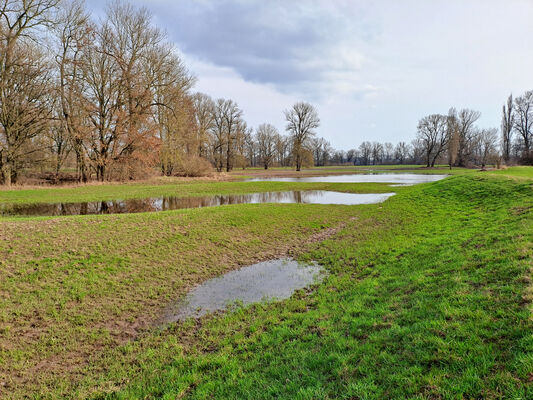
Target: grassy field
[428, 296]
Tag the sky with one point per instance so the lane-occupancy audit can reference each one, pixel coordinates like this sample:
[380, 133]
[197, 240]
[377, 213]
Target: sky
[371, 68]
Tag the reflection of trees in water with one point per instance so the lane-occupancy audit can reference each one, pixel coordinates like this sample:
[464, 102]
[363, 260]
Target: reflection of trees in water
[177, 203]
[158, 204]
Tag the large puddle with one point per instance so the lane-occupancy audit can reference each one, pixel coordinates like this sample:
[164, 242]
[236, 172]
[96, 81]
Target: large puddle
[269, 280]
[176, 203]
[401, 179]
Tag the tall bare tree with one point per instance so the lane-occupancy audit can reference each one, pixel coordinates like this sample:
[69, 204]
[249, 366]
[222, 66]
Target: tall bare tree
[507, 128]
[266, 141]
[73, 33]
[432, 133]
[365, 149]
[466, 120]
[203, 115]
[486, 147]
[524, 122]
[282, 148]
[234, 126]
[377, 153]
[173, 108]
[453, 136]
[302, 120]
[25, 81]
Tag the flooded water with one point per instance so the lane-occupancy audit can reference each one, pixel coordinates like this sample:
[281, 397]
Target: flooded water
[176, 203]
[275, 279]
[403, 179]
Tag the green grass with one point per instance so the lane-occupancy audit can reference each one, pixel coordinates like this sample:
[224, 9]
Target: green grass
[428, 297]
[516, 172]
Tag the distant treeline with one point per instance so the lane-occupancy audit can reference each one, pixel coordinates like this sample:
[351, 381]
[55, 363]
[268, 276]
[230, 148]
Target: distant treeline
[453, 139]
[110, 99]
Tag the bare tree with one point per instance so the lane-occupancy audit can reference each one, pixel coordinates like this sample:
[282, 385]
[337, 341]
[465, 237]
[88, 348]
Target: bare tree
[302, 120]
[26, 108]
[507, 128]
[203, 115]
[232, 118]
[72, 31]
[486, 146]
[60, 145]
[251, 151]
[103, 101]
[401, 152]
[432, 134]
[282, 145]
[466, 119]
[227, 122]
[321, 149]
[366, 150]
[266, 141]
[524, 122]
[377, 153]
[453, 136]
[417, 151]
[388, 151]
[24, 81]
[218, 133]
[241, 141]
[174, 110]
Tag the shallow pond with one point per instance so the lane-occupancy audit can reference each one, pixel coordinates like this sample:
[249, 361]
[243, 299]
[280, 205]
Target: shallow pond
[275, 279]
[175, 203]
[404, 179]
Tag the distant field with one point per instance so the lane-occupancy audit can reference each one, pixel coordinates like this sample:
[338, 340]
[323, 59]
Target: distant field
[514, 172]
[428, 295]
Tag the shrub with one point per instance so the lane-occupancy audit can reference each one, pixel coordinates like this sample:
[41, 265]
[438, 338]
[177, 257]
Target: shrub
[193, 166]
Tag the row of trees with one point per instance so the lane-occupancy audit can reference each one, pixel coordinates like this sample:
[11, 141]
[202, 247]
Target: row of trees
[517, 128]
[453, 139]
[456, 139]
[111, 99]
[228, 142]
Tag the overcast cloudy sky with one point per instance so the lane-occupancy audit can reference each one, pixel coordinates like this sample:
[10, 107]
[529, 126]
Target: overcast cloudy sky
[372, 68]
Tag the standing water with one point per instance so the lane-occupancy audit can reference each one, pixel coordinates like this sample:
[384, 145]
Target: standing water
[408, 179]
[275, 279]
[176, 203]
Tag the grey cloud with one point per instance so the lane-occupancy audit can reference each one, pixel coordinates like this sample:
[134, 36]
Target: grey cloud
[288, 44]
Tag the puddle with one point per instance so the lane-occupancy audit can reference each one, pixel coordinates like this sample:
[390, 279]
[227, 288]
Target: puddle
[406, 179]
[269, 280]
[176, 203]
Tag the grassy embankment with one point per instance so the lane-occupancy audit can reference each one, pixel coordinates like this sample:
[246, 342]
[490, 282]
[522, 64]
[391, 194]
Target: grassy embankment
[428, 297]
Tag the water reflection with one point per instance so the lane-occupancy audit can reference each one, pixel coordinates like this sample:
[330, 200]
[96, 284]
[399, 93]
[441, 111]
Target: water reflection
[407, 179]
[176, 203]
[275, 279]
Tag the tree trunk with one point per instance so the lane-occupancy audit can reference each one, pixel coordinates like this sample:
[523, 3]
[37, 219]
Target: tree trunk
[6, 173]
[80, 161]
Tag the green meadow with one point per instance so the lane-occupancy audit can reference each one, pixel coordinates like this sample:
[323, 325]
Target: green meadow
[428, 295]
